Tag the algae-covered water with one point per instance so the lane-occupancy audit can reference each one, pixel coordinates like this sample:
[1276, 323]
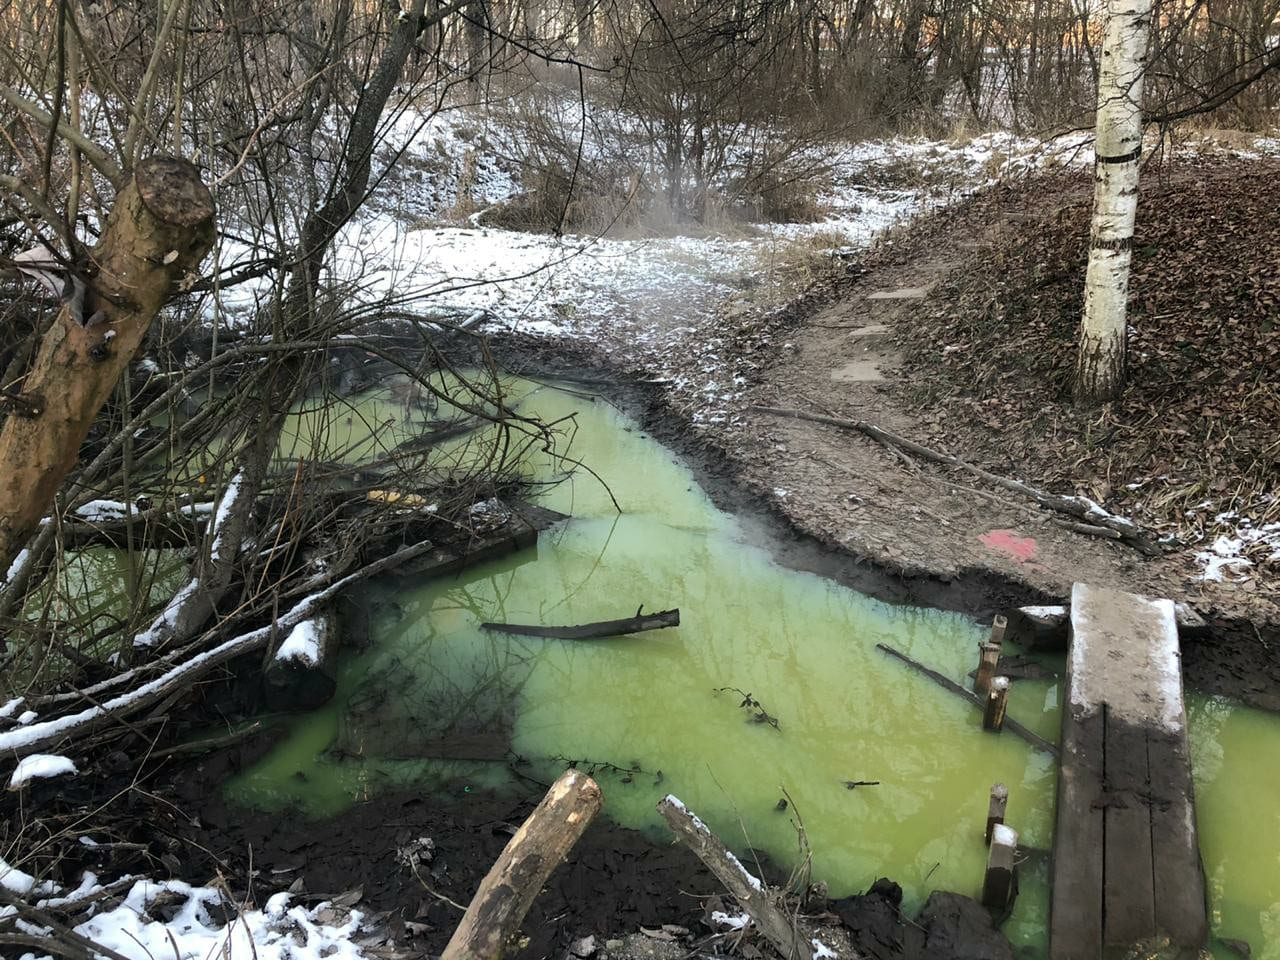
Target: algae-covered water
[679, 710]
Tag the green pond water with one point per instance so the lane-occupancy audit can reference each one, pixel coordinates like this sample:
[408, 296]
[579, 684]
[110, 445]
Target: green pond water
[661, 712]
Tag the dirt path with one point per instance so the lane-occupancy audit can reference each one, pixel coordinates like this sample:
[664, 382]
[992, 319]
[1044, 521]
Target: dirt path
[847, 491]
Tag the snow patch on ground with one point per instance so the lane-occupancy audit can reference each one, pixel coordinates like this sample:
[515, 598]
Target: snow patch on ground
[276, 932]
[1237, 544]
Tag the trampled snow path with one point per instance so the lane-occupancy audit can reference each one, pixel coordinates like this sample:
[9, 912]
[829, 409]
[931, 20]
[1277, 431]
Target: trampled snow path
[649, 303]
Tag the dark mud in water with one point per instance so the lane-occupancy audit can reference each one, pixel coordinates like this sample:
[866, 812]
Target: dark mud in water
[614, 881]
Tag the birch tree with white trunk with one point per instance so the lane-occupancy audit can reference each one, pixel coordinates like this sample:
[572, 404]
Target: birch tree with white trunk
[1101, 358]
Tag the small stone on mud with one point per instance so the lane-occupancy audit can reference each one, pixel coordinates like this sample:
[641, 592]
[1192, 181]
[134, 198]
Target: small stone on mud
[584, 947]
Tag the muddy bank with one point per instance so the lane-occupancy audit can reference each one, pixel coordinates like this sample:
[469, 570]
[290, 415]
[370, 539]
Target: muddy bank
[1237, 657]
[615, 880]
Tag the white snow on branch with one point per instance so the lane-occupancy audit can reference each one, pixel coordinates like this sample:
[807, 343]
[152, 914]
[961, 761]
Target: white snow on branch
[225, 505]
[29, 739]
[100, 511]
[15, 568]
[168, 616]
[730, 921]
[39, 766]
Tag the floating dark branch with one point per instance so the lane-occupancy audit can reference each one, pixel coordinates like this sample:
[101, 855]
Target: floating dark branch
[854, 784]
[757, 712]
[1037, 741]
[593, 631]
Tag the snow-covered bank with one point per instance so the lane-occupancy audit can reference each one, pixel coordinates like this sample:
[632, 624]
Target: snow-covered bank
[278, 931]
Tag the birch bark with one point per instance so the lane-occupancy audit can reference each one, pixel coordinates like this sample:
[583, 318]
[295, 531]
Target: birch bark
[1101, 358]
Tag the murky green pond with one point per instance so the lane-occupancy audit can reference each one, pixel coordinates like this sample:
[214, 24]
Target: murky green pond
[662, 712]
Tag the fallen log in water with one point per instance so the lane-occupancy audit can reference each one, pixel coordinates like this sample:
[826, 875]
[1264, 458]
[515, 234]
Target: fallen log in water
[752, 895]
[506, 893]
[1089, 517]
[593, 631]
[1037, 741]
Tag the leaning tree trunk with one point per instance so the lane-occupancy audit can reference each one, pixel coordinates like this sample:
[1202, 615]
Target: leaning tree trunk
[160, 228]
[1100, 363]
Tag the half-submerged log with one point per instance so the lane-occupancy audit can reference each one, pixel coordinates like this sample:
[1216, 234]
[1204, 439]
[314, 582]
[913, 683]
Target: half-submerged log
[593, 631]
[1037, 741]
[752, 895]
[507, 891]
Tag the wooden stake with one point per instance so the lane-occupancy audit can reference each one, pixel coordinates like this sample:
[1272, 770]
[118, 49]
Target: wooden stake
[997, 701]
[752, 895]
[507, 891]
[988, 659]
[996, 807]
[999, 624]
[997, 885]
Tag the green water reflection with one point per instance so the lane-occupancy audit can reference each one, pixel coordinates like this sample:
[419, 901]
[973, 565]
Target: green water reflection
[646, 711]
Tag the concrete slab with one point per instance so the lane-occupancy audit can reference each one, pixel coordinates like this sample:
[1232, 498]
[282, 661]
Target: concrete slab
[861, 370]
[902, 293]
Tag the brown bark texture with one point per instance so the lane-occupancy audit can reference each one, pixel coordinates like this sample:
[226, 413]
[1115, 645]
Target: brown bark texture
[508, 889]
[160, 228]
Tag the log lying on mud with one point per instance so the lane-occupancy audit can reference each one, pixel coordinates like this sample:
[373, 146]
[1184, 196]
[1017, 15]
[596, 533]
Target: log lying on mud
[506, 893]
[1088, 517]
[301, 674]
[752, 895]
[593, 631]
[1010, 724]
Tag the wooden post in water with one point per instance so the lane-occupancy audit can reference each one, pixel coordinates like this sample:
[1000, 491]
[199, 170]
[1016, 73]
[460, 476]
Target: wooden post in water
[996, 807]
[997, 885]
[988, 659]
[997, 702]
[999, 624]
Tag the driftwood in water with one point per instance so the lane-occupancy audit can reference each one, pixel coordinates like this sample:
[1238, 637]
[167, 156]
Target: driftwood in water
[1037, 741]
[1091, 519]
[593, 631]
[752, 895]
[507, 891]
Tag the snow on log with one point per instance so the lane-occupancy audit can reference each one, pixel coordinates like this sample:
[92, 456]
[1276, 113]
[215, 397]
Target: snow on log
[751, 894]
[505, 895]
[39, 766]
[301, 675]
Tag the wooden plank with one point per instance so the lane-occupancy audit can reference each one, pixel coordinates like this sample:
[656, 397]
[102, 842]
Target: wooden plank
[1128, 895]
[1075, 913]
[1126, 860]
[1179, 874]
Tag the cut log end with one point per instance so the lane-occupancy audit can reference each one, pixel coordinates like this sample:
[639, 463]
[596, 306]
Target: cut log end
[173, 192]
